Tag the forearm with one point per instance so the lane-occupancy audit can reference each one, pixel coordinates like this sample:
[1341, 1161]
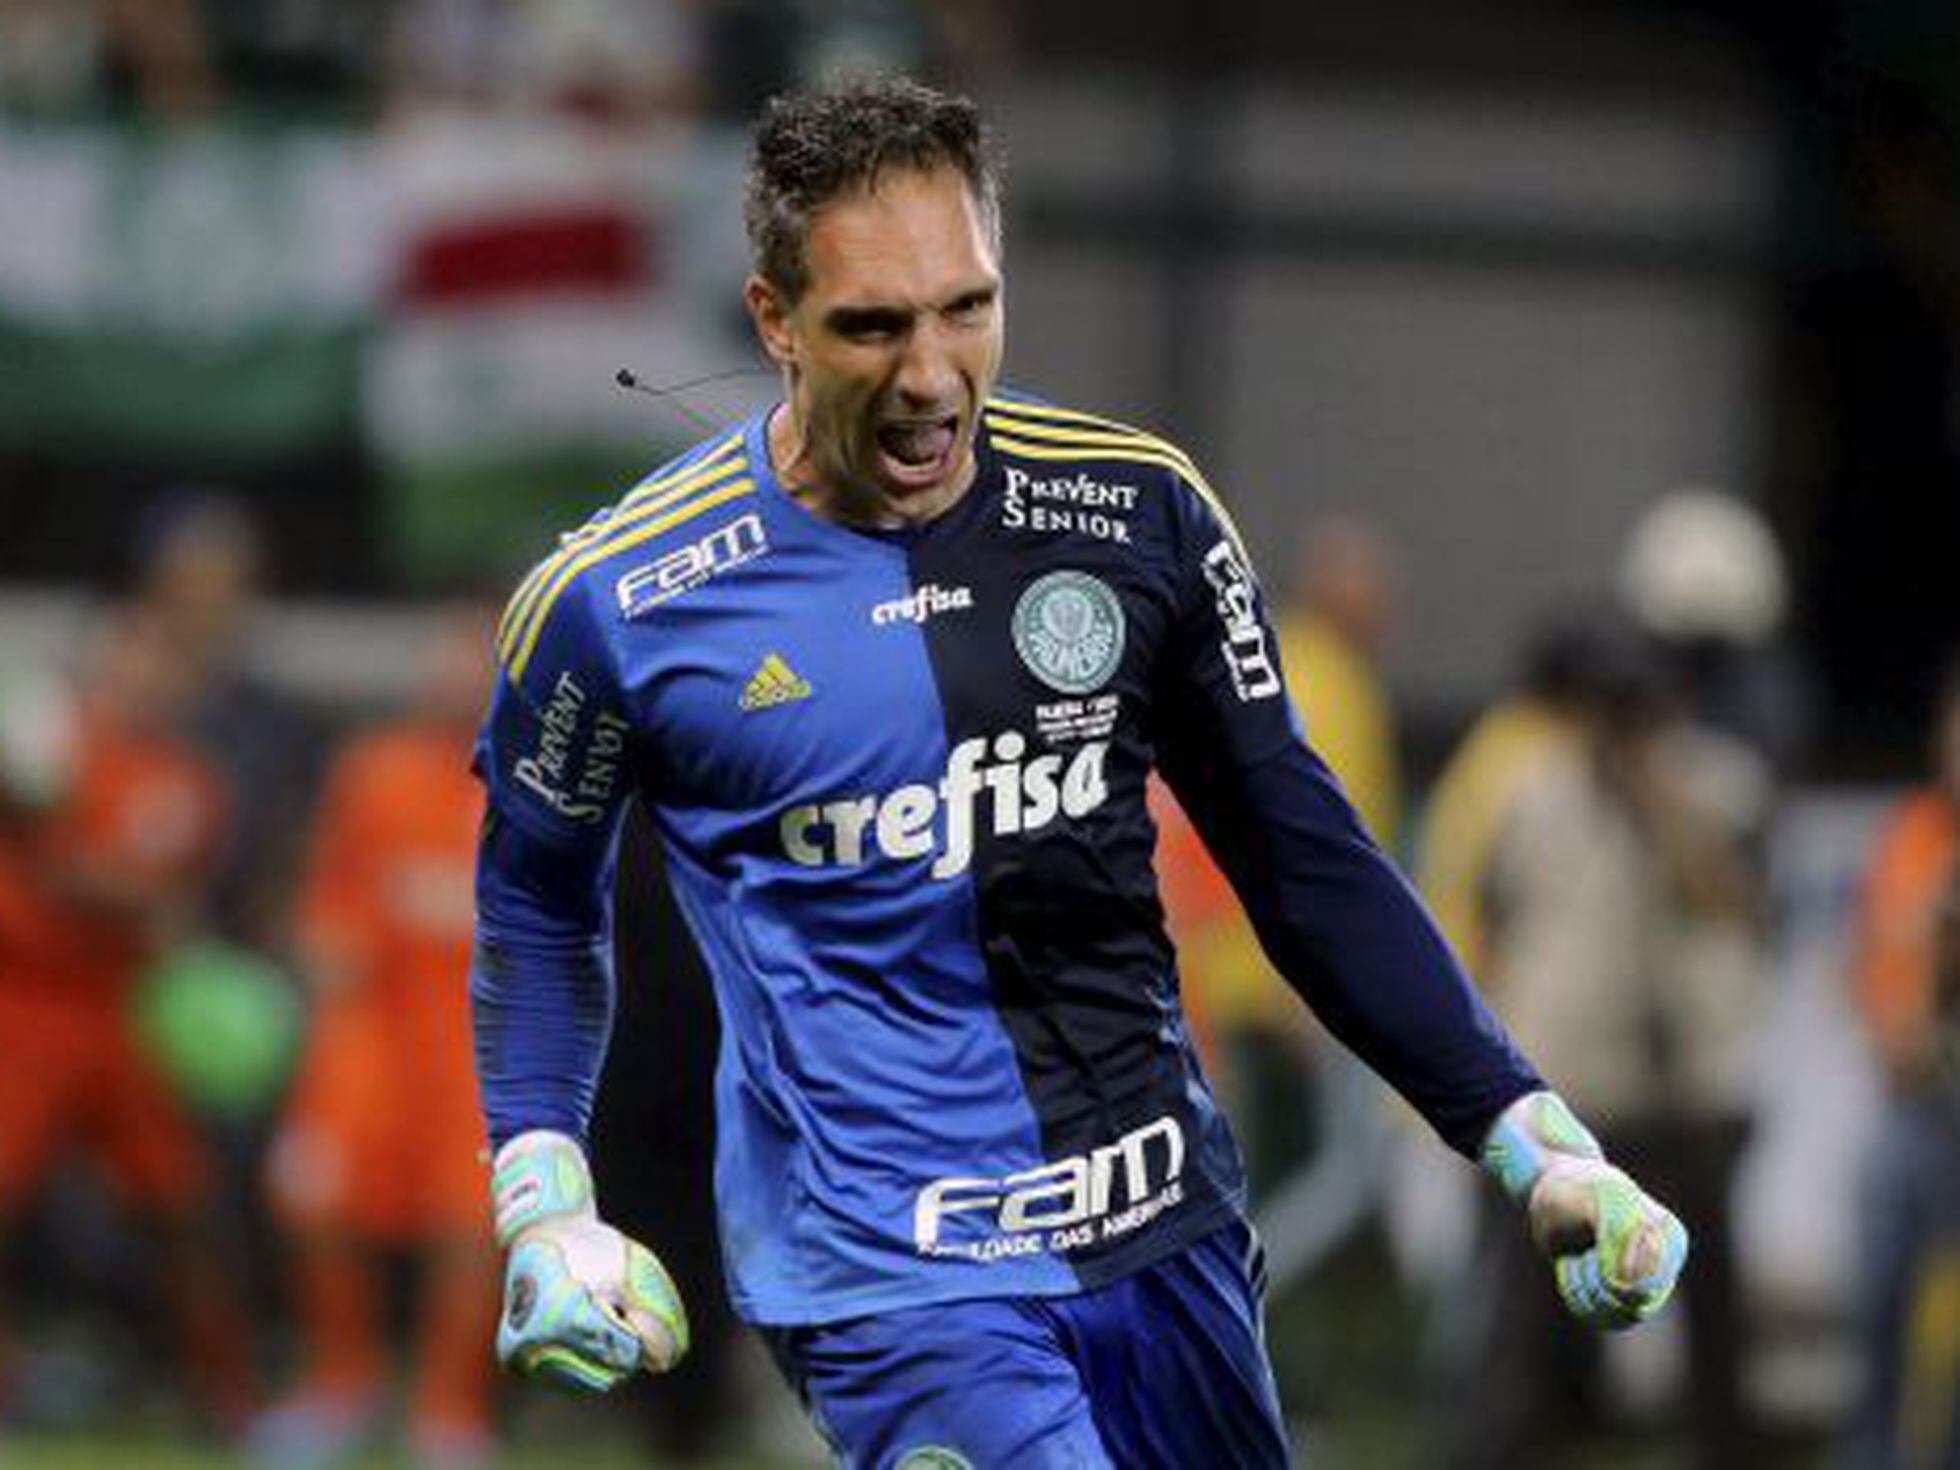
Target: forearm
[542, 1021]
[1352, 937]
[541, 984]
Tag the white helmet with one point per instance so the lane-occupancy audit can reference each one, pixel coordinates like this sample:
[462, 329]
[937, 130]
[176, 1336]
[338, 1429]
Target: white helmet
[1702, 564]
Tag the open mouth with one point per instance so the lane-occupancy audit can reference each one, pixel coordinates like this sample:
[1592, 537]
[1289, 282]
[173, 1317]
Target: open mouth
[918, 451]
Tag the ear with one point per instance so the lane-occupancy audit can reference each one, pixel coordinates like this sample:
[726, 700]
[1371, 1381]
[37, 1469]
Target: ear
[770, 313]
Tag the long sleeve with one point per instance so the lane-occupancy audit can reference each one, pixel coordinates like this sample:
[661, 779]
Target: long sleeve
[1335, 916]
[554, 757]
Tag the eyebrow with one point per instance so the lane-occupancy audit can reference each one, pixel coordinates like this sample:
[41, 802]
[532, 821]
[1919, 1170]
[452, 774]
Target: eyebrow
[848, 319]
[879, 316]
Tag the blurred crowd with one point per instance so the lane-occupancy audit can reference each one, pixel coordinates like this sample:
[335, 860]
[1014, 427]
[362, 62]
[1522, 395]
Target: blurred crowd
[230, 981]
[240, 1178]
[622, 61]
[1597, 847]
[238, 1132]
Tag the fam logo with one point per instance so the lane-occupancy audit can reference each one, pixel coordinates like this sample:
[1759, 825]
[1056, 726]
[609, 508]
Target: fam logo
[928, 601]
[1068, 629]
[1247, 658]
[687, 567]
[1084, 1200]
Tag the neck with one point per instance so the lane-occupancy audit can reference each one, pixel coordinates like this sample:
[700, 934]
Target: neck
[847, 501]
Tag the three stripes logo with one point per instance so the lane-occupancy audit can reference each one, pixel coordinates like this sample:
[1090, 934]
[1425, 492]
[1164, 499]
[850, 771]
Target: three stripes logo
[774, 682]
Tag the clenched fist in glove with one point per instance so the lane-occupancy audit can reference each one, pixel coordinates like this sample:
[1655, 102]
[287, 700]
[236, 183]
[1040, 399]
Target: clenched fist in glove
[1615, 1251]
[584, 1306]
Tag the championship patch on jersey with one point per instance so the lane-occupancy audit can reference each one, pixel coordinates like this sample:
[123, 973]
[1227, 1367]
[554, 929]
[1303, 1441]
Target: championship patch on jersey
[933, 1457]
[1068, 629]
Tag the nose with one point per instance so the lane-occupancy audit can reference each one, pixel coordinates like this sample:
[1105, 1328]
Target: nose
[927, 375]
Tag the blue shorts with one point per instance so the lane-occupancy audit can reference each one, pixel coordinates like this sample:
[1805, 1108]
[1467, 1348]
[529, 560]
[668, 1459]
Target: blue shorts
[1165, 1368]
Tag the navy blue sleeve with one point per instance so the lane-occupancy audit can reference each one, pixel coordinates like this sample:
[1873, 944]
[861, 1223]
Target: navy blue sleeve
[554, 756]
[1332, 912]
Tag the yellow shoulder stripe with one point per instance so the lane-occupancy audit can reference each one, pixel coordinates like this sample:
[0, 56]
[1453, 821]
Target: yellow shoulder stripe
[1041, 420]
[720, 494]
[521, 601]
[1059, 414]
[1096, 436]
[1132, 451]
[1060, 439]
[1052, 419]
[541, 589]
[715, 455]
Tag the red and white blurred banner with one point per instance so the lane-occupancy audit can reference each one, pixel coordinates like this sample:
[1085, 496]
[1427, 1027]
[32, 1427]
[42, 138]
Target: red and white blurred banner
[454, 291]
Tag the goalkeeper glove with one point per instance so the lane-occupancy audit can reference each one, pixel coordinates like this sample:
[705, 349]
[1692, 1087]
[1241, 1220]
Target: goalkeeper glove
[1615, 1251]
[584, 1306]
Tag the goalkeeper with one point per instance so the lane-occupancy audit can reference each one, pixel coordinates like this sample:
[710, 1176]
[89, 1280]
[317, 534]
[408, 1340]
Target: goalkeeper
[890, 664]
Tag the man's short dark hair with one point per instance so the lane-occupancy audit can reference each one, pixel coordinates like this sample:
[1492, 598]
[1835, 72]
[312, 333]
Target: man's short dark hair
[810, 148]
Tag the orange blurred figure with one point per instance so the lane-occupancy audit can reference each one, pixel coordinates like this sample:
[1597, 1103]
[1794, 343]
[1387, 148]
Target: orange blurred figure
[94, 886]
[1906, 980]
[1911, 870]
[380, 1145]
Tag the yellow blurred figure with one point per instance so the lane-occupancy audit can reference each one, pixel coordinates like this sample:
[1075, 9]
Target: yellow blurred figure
[1331, 643]
[1467, 807]
[1466, 813]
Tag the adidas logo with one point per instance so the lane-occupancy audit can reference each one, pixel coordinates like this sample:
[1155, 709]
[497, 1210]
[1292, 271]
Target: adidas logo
[773, 682]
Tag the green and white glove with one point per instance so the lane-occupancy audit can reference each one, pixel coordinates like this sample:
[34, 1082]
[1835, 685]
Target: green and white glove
[1615, 1250]
[585, 1307]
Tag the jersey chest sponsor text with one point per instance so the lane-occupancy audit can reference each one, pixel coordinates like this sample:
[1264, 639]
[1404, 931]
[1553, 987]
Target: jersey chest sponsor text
[647, 586]
[1066, 503]
[1081, 1200]
[920, 606]
[1012, 793]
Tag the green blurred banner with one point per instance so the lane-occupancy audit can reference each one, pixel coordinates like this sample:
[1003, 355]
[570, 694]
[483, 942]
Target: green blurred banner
[448, 297]
[201, 294]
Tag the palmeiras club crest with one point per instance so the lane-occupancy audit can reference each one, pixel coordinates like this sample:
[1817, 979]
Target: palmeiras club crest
[1068, 629]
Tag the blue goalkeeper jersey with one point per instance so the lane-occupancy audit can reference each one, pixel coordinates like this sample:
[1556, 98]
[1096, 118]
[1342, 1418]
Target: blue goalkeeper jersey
[901, 782]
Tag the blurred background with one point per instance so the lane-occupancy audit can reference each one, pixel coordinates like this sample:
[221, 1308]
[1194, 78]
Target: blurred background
[1584, 375]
